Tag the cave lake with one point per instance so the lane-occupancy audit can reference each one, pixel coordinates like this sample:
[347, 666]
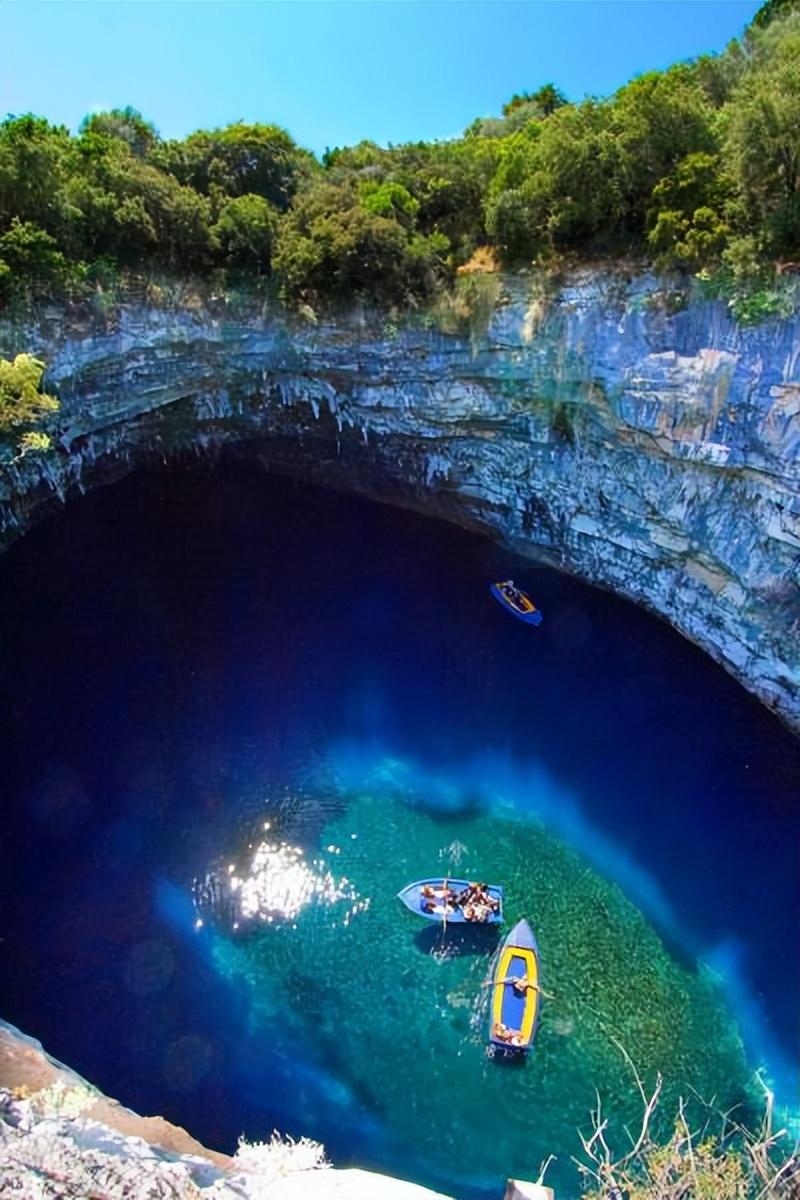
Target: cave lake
[240, 714]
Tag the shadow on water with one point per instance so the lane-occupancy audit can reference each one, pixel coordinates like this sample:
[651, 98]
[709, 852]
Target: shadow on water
[464, 808]
[456, 941]
[514, 1059]
[683, 954]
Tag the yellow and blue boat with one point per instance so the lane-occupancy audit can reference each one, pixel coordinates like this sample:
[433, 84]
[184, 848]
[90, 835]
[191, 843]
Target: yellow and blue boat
[515, 997]
[515, 601]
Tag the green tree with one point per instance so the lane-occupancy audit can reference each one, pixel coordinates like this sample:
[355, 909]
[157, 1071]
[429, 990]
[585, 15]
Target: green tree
[699, 165]
[657, 120]
[128, 208]
[389, 200]
[241, 159]
[718, 74]
[762, 140]
[33, 262]
[545, 101]
[570, 186]
[686, 220]
[354, 158]
[449, 182]
[127, 124]
[21, 402]
[246, 232]
[772, 9]
[331, 248]
[32, 157]
[516, 159]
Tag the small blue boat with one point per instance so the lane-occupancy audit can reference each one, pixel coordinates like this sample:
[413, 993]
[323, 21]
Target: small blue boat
[426, 898]
[515, 996]
[515, 601]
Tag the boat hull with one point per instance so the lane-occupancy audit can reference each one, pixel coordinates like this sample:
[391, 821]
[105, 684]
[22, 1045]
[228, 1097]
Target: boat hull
[534, 617]
[411, 896]
[516, 1009]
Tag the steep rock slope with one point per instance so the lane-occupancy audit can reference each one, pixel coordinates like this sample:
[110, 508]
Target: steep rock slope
[652, 451]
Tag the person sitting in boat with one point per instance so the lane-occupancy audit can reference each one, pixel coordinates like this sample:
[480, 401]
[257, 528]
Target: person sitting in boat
[478, 900]
[521, 984]
[442, 899]
[477, 911]
[513, 1037]
[436, 908]
[469, 899]
[472, 893]
[512, 593]
[446, 894]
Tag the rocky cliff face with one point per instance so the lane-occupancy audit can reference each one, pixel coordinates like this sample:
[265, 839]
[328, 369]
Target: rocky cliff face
[650, 451]
[62, 1139]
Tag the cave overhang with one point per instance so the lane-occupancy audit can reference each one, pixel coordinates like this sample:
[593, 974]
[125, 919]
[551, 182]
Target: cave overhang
[650, 451]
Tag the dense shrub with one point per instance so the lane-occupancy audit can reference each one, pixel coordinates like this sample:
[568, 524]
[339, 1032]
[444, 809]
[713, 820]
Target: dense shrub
[246, 232]
[261, 160]
[686, 223]
[762, 137]
[333, 248]
[30, 260]
[571, 185]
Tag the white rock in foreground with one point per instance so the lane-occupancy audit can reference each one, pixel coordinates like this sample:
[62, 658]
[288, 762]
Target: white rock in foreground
[62, 1139]
[45, 1155]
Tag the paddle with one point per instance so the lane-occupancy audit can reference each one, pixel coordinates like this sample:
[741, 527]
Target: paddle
[515, 979]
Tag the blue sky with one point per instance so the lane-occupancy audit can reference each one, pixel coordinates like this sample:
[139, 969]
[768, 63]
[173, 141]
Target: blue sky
[334, 72]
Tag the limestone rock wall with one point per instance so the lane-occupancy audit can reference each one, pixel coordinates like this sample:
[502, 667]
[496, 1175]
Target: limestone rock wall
[652, 451]
[62, 1139]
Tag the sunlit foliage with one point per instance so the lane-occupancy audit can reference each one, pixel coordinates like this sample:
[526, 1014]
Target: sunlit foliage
[128, 125]
[21, 402]
[546, 100]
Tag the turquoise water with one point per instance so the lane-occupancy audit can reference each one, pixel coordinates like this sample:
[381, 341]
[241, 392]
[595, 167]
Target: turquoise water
[395, 1008]
[196, 654]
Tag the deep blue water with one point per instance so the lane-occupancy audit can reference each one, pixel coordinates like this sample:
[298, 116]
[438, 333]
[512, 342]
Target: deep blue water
[186, 646]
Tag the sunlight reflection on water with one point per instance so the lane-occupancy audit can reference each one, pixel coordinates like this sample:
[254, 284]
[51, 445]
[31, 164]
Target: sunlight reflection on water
[275, 884]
